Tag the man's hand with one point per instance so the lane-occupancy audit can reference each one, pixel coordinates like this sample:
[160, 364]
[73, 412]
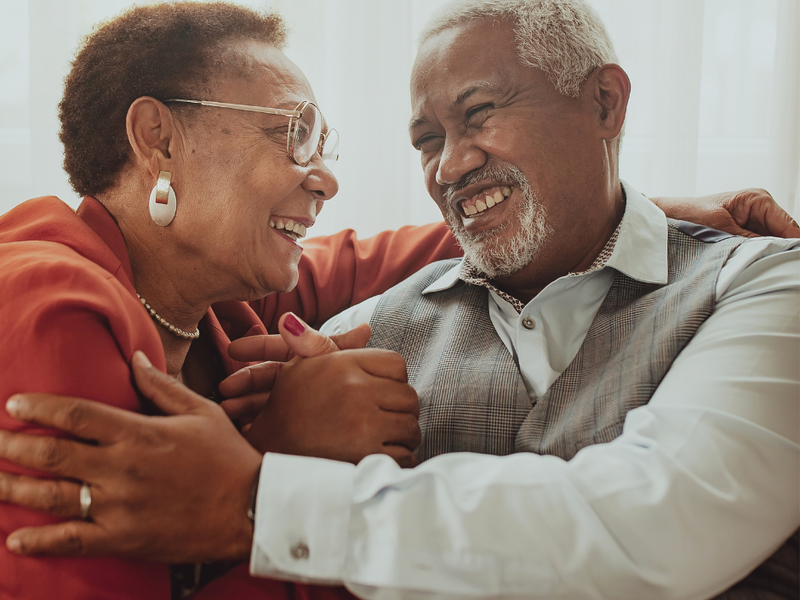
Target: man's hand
[248, 389]
[171, 489]
[343, 406]
[750, 213]
[338, 403]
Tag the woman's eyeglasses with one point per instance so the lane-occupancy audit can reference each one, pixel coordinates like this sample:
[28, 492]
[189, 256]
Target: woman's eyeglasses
[305, 138]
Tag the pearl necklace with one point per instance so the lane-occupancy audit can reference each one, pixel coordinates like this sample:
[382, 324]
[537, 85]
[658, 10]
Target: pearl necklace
[167, 325]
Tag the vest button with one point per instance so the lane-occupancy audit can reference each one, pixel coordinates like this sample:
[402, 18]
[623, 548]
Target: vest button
[528, 323]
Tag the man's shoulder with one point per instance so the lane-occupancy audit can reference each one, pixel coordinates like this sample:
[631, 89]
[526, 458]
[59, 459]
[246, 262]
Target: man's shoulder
[701, 233]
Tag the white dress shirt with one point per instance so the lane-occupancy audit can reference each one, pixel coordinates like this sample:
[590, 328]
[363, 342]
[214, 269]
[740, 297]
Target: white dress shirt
[700, 488]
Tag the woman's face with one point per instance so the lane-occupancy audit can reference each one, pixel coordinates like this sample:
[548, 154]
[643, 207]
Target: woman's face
[236, 184]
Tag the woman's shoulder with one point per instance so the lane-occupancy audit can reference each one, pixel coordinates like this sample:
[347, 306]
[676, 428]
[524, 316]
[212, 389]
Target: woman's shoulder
[35, 270]
[61, 312]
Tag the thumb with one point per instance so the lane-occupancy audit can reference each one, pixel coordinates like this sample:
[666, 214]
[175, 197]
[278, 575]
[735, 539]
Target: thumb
[166, 392]
[353, 339]
[302, 339]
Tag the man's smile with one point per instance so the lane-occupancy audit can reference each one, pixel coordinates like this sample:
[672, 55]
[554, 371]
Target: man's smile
[485, 199]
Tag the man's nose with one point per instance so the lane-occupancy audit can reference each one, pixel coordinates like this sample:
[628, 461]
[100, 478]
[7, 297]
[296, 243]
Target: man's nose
[459, 157]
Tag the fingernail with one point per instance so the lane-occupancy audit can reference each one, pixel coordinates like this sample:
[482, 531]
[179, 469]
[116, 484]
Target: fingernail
[141, 358]
[293, 325]
[14, 545]
[13, 405]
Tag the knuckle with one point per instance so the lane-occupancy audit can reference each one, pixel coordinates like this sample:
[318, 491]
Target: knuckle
[48, 454]
[73, 415]
[147, 437]
[50, 498]
[70, 540]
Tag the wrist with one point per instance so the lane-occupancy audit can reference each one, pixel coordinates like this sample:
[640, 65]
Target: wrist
[245, 513]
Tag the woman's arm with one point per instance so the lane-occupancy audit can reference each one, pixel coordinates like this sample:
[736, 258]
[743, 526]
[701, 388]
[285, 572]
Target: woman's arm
[339, 271]
[66, 330]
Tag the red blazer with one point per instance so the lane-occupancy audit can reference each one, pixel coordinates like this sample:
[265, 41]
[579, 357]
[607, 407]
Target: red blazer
[71, 323]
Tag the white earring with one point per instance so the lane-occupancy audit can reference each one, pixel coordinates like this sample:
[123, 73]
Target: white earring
[162, 200]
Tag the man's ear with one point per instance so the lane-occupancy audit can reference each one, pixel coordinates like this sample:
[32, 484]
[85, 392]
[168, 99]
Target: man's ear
[611, 91]
[151, 127]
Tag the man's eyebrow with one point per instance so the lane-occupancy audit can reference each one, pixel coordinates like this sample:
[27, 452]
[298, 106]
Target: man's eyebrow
[481, 86]
[462, 97]
[416, 122]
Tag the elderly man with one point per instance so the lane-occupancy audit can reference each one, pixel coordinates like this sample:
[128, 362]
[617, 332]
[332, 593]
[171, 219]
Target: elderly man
[640, 374]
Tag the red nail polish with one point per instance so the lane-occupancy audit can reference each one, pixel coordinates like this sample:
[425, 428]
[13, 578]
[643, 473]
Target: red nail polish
[293, 325]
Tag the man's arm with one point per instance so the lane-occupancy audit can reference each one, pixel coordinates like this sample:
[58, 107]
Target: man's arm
[699, 489]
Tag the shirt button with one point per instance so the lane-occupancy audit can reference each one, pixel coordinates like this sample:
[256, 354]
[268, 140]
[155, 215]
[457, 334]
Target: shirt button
[528, 323]
[299, 551]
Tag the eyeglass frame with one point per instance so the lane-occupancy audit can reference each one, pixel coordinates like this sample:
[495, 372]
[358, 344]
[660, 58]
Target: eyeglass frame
[292, 114]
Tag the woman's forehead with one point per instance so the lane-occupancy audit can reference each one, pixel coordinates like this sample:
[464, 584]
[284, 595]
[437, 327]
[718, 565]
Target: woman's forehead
[257, 73]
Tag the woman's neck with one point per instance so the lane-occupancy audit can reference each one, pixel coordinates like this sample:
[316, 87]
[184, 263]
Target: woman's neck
[171, 282]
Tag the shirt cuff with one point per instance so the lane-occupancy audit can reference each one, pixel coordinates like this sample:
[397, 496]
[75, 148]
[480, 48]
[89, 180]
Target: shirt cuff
[299, 533]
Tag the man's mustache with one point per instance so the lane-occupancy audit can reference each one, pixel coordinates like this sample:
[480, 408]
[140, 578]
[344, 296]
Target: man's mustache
[504, 172]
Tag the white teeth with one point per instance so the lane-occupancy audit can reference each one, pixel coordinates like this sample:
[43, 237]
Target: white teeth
[289, 226]
[488, 201]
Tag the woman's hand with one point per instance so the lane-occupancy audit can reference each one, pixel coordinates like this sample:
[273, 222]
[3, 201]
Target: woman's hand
[248, 389]
[342, 406]
[323, 402]
[750, 213]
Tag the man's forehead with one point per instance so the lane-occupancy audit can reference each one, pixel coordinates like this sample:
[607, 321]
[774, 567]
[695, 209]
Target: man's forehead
[458, 61]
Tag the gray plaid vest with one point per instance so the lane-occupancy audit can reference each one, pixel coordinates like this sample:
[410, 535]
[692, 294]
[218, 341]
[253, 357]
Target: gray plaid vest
[473, 399]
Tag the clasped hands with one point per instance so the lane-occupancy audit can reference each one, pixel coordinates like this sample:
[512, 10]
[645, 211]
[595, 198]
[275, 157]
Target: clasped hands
[153, 479]
[312, 395]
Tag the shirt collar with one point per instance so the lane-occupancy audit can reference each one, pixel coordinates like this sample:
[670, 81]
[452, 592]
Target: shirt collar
[640, 251]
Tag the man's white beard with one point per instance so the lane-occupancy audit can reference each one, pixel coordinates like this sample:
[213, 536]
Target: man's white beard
[484, 250]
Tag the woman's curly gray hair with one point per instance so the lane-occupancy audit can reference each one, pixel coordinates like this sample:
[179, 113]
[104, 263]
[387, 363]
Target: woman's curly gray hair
[563, 38]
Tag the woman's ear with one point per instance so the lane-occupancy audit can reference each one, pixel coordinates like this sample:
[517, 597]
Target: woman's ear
[611, 89]
[150, 128]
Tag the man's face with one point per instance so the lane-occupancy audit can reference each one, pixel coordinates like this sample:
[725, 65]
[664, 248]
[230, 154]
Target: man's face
[506, 157]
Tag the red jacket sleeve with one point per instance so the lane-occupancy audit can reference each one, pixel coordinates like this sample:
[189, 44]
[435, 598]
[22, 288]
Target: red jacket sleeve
[69, 328]
[340, 270]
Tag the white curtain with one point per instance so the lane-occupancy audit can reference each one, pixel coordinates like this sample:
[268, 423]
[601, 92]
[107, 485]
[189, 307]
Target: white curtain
[715, 102]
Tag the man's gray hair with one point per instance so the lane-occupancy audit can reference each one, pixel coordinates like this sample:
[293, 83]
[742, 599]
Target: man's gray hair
[563, 38]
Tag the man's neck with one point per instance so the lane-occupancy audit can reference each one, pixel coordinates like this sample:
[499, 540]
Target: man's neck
[564, 255]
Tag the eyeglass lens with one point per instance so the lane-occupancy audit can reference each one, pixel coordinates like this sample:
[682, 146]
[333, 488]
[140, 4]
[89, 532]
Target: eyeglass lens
[308, 132]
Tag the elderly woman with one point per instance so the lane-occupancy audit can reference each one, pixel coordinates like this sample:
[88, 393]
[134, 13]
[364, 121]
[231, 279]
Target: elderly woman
[201, 155]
